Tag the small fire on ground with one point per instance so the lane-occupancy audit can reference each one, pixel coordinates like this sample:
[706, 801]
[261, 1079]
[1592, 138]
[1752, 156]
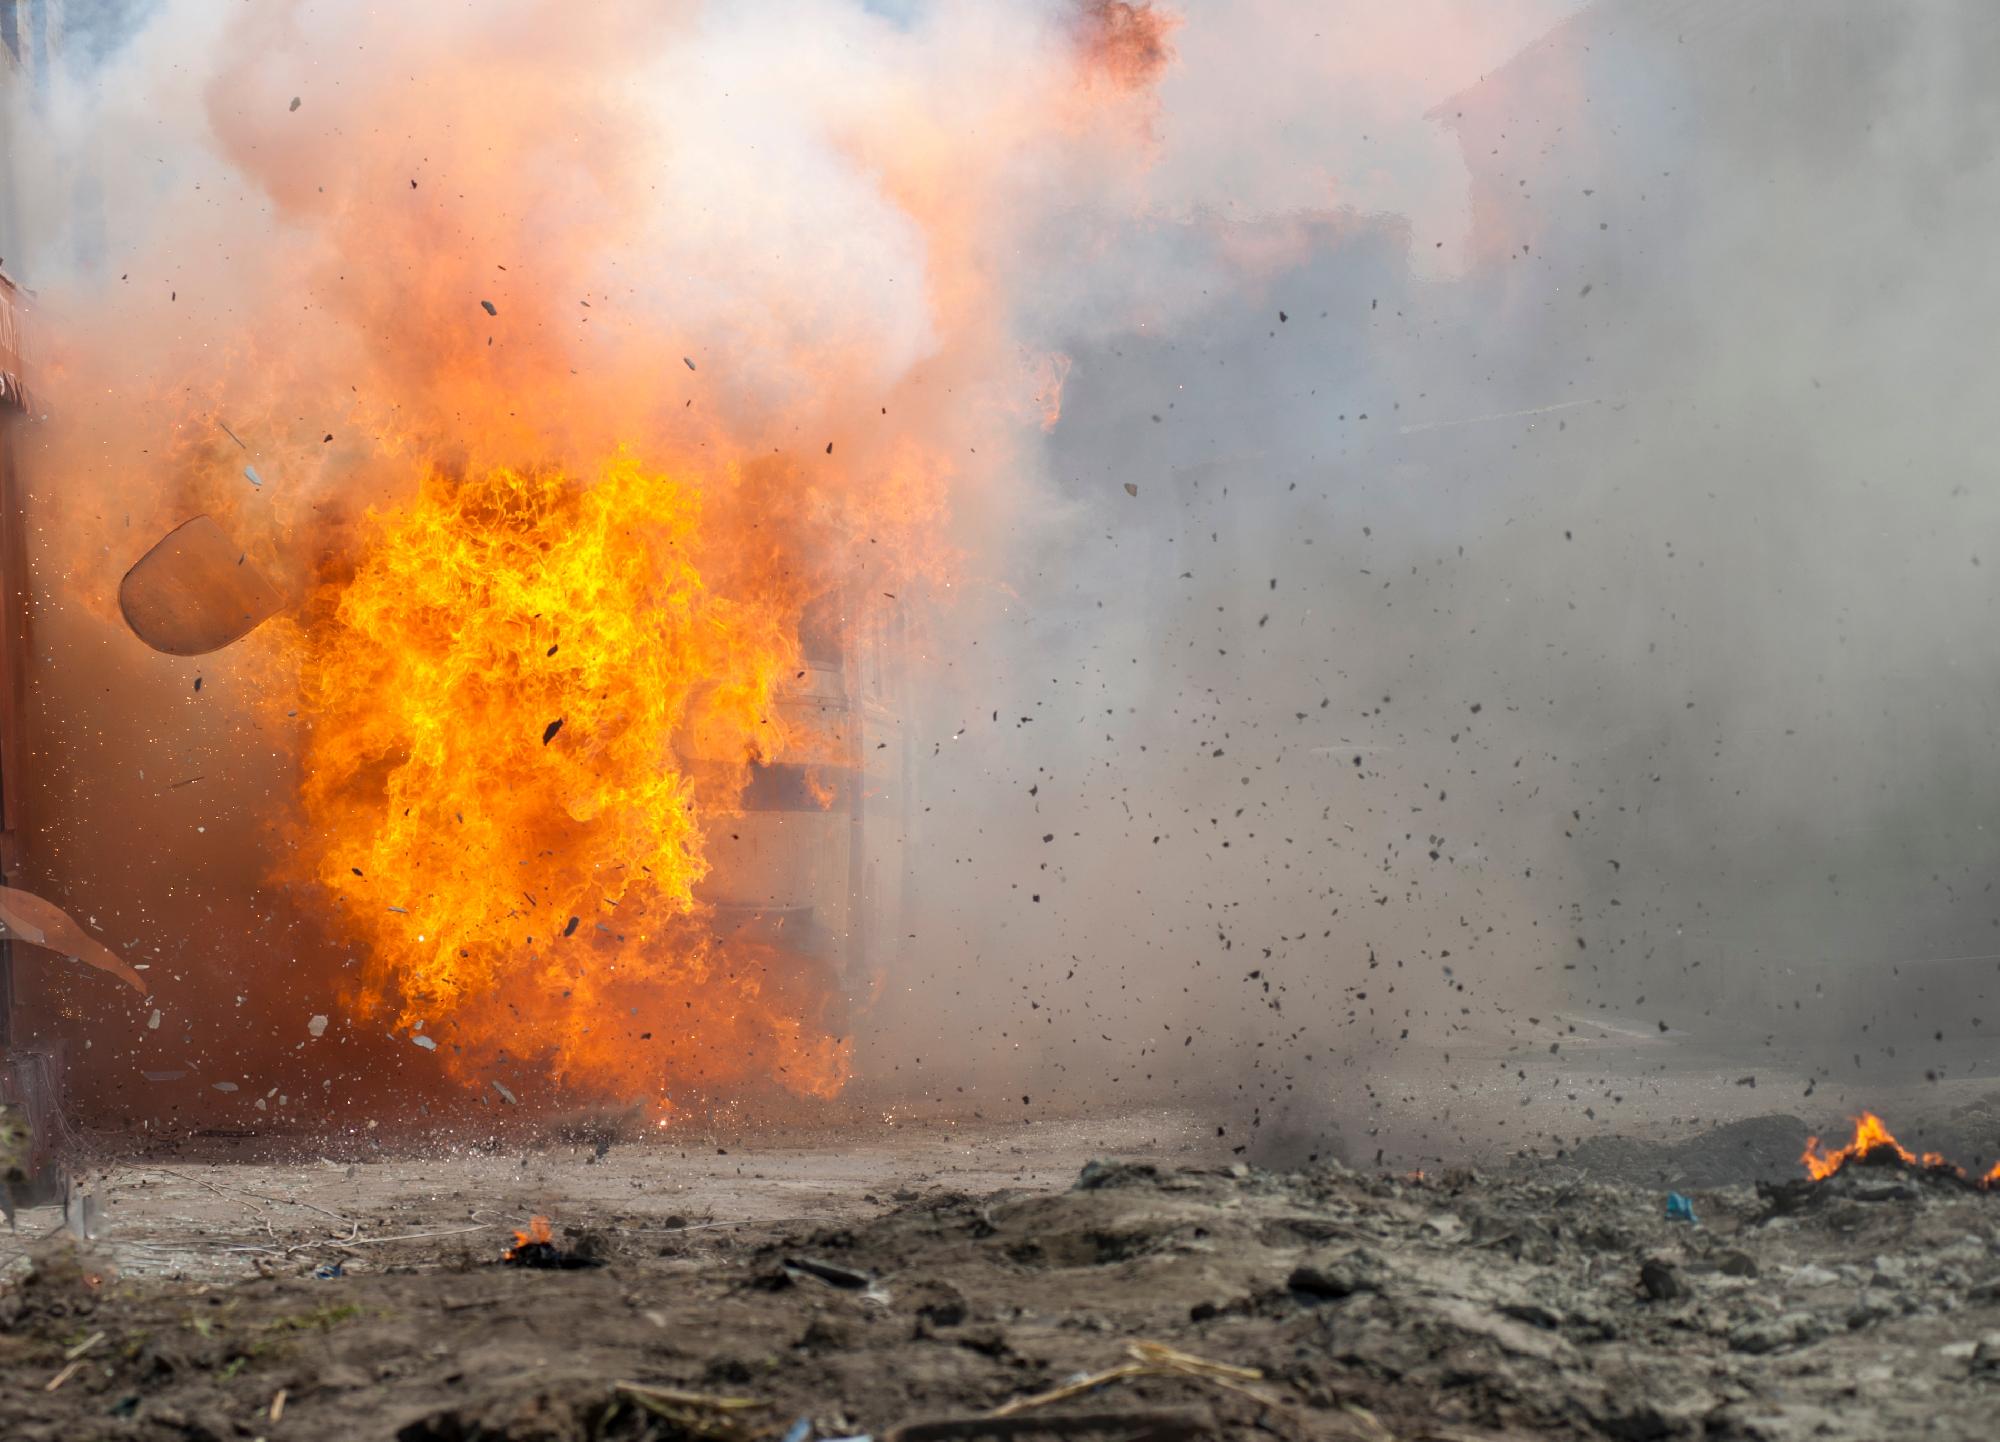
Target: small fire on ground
[537, 1235]
[537, 1248]
[1874, 1145]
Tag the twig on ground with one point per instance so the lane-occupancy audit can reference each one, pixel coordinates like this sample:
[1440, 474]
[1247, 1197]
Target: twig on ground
[238, 1193]
[1149, 1359]
[701, 1414]
[354, 1239]
[416, 1236]
[63, 1376]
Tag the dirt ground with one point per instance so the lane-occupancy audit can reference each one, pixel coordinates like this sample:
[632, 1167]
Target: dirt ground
[930, 1271]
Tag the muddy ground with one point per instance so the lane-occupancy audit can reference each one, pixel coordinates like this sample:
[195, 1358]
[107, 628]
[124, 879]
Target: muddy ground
[944, 1272]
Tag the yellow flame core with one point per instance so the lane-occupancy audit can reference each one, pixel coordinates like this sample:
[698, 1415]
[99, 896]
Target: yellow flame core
[459, 828]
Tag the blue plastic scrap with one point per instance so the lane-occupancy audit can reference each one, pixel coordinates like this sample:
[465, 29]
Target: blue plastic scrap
[1680, 1208]
[328, 1271]
[799, 1431]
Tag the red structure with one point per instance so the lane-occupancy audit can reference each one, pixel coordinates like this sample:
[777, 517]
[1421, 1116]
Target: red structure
[27, 1077]
[14, 409]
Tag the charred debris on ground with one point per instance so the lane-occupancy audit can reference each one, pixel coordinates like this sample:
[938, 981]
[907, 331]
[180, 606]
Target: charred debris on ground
[1144, 1300]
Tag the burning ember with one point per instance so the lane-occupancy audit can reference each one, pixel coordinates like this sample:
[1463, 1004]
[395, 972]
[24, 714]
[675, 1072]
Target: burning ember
[1874, 1145]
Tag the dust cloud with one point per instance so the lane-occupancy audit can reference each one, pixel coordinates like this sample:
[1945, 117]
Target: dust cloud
[1433, 538]
[1524, 669]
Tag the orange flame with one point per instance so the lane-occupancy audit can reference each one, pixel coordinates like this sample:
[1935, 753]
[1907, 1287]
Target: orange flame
[538, 1233]
[497, 789]
[1871, 1134]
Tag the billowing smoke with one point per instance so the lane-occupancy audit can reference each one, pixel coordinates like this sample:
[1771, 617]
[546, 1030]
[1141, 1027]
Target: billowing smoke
[1425, 532]
[1542, 646]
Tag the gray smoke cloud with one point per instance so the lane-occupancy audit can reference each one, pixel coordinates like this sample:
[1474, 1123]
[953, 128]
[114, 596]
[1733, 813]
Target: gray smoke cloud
[1585, 629]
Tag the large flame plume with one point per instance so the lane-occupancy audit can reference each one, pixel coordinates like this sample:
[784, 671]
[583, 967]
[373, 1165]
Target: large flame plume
[560, 419]
[492, 793]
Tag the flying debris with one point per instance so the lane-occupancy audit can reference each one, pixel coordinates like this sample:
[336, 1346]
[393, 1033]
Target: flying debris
[34, 921]
[195, 591]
